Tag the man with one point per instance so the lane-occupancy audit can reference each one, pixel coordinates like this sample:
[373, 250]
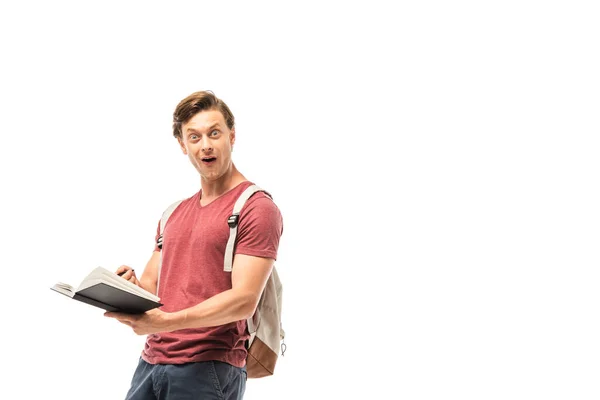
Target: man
[195, 346]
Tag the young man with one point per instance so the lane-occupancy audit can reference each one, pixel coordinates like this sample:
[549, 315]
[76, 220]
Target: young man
[196, 342]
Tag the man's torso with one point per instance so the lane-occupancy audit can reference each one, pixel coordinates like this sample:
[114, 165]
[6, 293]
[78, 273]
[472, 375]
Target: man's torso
[194, 242]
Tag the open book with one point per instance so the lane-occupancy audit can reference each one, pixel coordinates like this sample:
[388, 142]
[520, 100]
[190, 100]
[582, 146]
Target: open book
[107, 290]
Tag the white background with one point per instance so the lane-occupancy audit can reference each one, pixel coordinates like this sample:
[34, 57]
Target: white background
[436, 164]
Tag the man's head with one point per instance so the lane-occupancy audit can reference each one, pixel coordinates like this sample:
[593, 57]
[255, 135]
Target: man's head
[196, 102]
[205, 129]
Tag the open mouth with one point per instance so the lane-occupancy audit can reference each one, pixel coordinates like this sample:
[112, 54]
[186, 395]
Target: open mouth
[209, 160]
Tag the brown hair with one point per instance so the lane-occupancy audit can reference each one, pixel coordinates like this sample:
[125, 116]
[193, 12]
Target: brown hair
[196, 102]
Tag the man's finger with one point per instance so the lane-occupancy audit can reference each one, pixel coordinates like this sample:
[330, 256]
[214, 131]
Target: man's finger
[122, 269]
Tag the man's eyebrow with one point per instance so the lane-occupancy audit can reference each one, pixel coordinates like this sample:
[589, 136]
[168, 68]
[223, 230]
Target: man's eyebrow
[192, 130]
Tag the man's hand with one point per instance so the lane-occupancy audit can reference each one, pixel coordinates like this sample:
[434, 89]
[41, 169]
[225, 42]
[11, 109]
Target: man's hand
[128, 274]
[152, 321]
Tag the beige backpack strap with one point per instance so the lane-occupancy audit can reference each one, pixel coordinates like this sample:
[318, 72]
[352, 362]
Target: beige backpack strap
[233, 224]
[163, 222]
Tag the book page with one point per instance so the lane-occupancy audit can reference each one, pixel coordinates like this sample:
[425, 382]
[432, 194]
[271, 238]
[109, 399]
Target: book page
[64, 288]
[102, 275]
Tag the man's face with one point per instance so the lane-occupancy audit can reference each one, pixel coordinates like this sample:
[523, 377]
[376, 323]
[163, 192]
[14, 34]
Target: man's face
[207, 141]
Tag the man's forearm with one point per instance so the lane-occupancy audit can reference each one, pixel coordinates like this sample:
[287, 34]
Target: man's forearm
[229, 306]
[148, 285]
[149, 279]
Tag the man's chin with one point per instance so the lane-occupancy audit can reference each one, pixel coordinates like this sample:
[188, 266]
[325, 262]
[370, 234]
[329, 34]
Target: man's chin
[211, 176]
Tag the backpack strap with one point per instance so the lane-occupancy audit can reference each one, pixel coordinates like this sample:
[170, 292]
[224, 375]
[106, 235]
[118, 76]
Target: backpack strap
[163, 221]
[159, 242]
[233, 223]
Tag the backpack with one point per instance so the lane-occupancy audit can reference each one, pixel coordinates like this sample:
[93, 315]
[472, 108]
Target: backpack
[265, 328]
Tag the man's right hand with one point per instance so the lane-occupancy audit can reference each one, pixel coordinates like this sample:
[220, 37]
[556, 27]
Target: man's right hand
[128, 273]
[149, 278]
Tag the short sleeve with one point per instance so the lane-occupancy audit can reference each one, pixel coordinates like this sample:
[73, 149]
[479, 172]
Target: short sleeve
[260, 228]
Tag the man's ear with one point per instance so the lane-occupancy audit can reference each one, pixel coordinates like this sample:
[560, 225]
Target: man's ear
[182, 145]
[232, 136]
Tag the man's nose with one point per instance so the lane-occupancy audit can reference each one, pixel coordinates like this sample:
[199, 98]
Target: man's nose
[205, 144]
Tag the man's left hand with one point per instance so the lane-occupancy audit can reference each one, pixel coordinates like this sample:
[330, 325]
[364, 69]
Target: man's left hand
[152, 321]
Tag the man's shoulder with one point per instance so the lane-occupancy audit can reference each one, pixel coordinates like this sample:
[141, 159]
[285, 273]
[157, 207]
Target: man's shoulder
[261, 219]
[261, 195]
[260, 202]
[181, 202]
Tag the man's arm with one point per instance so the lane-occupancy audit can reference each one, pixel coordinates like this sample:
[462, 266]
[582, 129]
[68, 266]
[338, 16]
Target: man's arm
[149, 279]
[249, 276]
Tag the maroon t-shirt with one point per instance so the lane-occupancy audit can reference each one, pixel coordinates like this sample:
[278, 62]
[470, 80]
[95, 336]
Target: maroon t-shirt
[194, 242]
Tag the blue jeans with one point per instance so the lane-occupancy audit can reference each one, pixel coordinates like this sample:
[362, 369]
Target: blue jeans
[206, 380]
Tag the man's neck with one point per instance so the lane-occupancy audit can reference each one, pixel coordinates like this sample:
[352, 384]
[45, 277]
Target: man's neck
[213, 189]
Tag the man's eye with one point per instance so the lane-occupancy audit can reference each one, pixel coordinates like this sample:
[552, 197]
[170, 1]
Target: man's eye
[194, 137]
[214, 133]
